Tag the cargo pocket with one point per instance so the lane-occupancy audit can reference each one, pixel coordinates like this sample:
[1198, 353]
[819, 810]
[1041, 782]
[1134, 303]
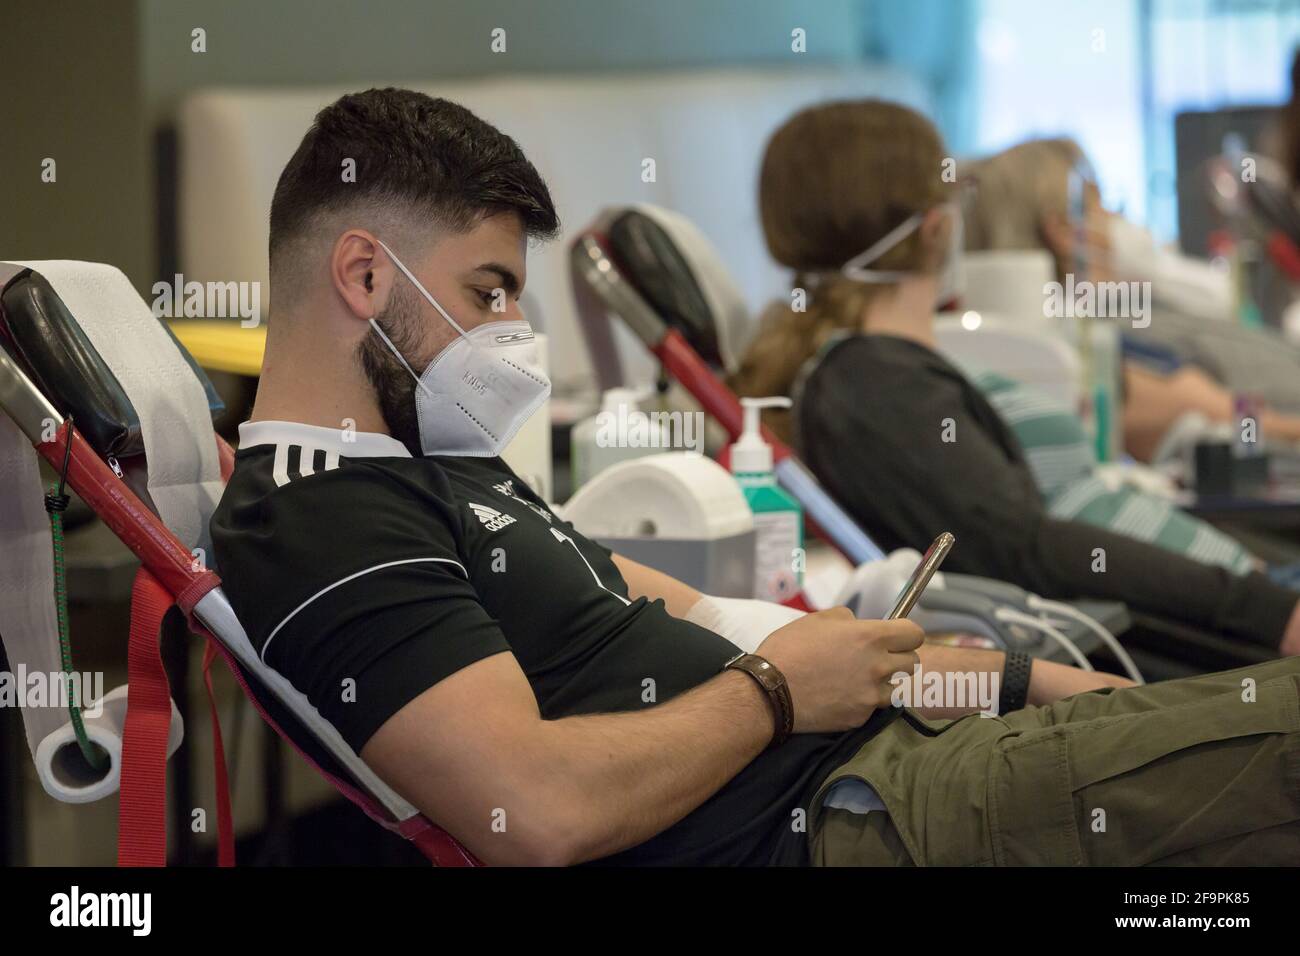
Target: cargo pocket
[1031, 819]
[930, 775]
[1129, 741]
[1139, 787]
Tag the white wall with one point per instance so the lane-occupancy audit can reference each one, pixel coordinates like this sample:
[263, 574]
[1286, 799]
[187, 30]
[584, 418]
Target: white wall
[254, 42]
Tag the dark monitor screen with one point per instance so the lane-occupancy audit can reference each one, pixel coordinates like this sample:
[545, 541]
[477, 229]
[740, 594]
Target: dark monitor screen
[1198, 137]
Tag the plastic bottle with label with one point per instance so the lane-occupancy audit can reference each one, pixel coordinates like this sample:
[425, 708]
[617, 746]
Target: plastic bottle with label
[620, 431]
[778, 518]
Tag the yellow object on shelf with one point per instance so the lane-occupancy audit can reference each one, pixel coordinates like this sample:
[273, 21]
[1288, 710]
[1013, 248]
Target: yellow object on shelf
[223, 345]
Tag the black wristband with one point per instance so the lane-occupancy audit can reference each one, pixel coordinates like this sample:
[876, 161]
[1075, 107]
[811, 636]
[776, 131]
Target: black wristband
[1015, 682]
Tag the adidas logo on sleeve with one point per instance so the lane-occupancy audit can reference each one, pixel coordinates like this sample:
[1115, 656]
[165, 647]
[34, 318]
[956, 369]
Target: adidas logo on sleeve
[492, 519]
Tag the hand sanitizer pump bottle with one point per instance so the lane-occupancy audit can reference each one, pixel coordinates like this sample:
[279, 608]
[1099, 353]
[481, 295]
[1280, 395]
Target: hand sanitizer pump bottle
[778, 518]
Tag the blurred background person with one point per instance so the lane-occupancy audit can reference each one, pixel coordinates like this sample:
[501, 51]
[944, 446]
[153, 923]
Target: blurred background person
[907, 442]
[1177, 364]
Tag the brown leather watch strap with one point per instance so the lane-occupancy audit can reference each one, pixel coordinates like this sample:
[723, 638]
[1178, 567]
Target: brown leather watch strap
[778, 692]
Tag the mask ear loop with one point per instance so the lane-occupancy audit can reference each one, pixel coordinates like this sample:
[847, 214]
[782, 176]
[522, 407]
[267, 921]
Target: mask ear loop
[423, 291]
[393, 348]
[853, 269]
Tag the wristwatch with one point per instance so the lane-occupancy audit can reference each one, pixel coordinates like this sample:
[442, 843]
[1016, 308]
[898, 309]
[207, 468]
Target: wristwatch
[773, 683]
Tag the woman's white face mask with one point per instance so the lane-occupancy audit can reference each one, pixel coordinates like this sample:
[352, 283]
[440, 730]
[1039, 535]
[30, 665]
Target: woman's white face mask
[479, 390]
[951, 276]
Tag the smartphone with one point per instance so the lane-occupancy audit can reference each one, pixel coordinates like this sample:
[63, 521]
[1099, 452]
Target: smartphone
[930, 562]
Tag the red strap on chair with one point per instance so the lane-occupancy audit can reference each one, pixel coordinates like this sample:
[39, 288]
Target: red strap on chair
[225, 819]
[142, 838]
[435, 843]
[188, 597]
[142, 806]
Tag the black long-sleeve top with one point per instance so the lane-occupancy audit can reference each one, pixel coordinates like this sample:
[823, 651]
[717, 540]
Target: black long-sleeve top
[872, 419]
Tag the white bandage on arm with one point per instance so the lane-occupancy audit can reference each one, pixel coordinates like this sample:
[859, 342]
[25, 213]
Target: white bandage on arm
[744, 622]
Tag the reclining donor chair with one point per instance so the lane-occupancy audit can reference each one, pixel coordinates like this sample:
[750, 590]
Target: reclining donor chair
[655, 271]
[78, 345]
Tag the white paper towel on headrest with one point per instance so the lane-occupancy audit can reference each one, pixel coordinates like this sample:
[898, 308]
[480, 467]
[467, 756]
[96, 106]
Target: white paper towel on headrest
[184, 472]
[28, 620]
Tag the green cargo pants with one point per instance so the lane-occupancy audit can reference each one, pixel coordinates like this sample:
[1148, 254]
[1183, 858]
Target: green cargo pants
[1204, 770]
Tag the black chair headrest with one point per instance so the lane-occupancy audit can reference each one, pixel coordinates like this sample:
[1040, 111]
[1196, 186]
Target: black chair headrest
[651, 260]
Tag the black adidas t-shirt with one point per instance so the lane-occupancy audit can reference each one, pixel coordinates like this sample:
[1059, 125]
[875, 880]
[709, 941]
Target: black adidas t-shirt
[365, 576]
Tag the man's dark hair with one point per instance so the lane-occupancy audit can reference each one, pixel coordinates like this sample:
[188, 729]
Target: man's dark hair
[414, 153]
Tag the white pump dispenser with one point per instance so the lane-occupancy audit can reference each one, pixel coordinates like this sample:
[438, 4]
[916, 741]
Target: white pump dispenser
[778, 519]
[751, 454]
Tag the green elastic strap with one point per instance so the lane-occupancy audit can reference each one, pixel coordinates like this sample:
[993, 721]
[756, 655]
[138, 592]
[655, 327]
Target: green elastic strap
[55, 502]
[95, 755]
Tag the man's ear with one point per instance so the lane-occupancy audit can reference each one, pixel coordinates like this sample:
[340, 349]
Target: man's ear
[360, 275]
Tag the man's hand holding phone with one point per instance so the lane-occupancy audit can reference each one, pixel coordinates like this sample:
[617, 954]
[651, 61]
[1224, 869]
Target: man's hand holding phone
[838, 669]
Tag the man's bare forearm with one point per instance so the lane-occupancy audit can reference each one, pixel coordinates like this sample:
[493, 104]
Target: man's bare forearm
[986, 666]
[619, 779]
[1048, 681]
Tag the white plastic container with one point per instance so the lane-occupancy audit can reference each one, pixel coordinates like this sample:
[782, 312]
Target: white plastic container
[620, 431]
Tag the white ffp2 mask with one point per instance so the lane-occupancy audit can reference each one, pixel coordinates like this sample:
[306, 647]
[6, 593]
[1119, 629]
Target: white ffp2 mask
[479, 390]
